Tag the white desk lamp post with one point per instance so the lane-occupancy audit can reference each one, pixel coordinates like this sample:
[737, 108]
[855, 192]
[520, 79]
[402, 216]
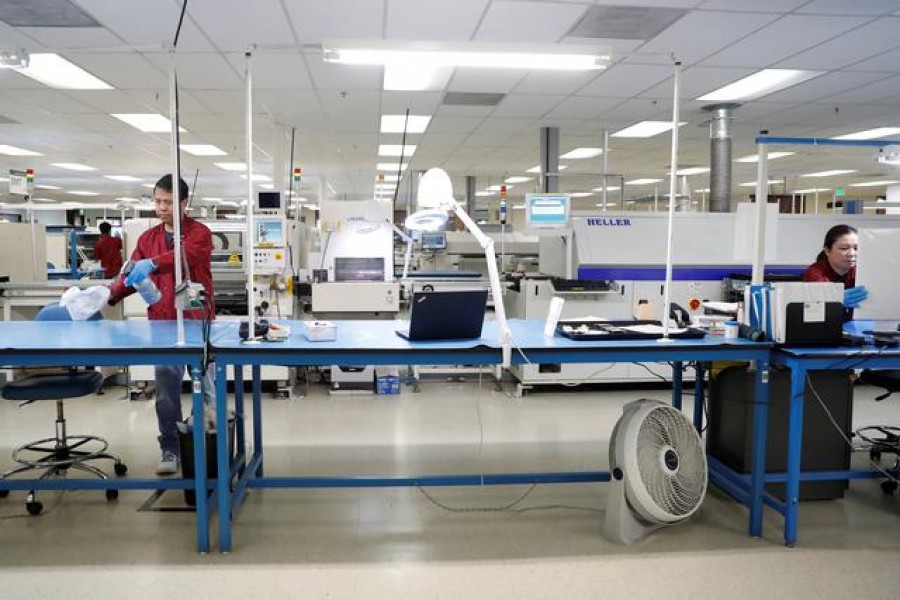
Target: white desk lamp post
[434, 199]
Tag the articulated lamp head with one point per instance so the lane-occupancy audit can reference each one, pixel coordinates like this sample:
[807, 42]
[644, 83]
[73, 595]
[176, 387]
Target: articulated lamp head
[434, 199]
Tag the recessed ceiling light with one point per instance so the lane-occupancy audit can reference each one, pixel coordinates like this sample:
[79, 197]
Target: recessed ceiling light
[759, 84]
[43, 200]
[702, 191]
[390, 167]
[537, 169]
[811, 191]
[692, 171]
[127, 199]
[202, 150]
[484, 193]
[399, 124]
[122, 178]
[148, 185]
[83, 193]
[609, 188]
[753, 183]
[383, 177]
[830, 173]
[873, 183]
[257, 177]
[267, 186]
[581, 194]
[14, 151]
[869, 134]
[769, 155]
[642, 181]
[55, 71]
[396, 149]
[73, 166]
[645, 129]
[582, 153]
[517, 179]
[148, 122]
[47, 187]
[232, 166]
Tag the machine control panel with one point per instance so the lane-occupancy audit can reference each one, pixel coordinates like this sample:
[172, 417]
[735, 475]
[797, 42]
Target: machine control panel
[269, 260]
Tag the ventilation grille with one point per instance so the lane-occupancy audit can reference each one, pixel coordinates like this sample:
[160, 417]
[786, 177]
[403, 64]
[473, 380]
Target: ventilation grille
[472, 99]
[44, 13]
[625, 22]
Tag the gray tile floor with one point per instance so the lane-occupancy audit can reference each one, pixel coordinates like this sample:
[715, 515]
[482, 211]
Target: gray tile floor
[448, 543]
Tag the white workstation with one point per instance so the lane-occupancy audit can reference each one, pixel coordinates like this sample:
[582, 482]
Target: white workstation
[475, 298]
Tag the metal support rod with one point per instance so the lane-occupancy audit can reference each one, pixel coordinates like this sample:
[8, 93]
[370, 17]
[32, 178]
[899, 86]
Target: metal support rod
[248, 243]
[673, 168]
[176, 189]
[605, 165]
[762, 199]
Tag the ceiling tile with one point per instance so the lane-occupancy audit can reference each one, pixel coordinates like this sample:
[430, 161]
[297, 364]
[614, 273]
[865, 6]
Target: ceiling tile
[883, 63]
[123, 70]
[582, 107]
[418, 103]
[437, 20]
[317, 22]
[333, 76]
[473, 79]
[771, 6]
[880, 90]
[840, 7]
[526, 105]
[537, 22]
[697, 81]
[824, 87]
[201, 70]
[554, 82]
[625, 80]
[274, 69]
[862, 43]
[446, 124]
[260, 22]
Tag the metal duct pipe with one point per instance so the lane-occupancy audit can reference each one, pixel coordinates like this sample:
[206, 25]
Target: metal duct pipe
[470, 194]
[720, 156]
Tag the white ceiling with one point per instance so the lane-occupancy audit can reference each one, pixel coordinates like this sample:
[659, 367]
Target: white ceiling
[335, 110]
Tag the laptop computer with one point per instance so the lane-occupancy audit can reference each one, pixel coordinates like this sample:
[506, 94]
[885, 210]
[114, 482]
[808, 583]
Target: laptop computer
[448, 315]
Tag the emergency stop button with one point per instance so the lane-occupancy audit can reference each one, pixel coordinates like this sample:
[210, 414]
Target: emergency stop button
[694, 303]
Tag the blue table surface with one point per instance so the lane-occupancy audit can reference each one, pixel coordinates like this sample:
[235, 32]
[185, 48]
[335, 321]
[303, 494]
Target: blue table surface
[98, 336]
[858, 328]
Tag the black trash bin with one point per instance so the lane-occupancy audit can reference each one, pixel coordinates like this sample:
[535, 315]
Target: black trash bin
[186, 447]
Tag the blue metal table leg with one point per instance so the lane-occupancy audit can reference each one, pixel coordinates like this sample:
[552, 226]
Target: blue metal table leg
[224, 472]
[239, 413]
[795, 444]
[202, 515]
[758, 457]
[257, 417]
[676, 384]
[699, 372]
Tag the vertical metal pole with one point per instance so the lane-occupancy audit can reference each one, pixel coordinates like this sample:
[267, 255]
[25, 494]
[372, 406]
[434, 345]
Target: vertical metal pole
[549, 159]
[605, 165]
[176, 189]
[673, 167]
[762, 199]
[248, 243]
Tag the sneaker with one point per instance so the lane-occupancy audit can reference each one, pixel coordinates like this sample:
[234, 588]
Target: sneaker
[168, 463]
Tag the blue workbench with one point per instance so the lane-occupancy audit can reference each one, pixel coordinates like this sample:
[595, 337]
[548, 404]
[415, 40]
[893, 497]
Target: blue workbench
[375, 342]
[113, 343]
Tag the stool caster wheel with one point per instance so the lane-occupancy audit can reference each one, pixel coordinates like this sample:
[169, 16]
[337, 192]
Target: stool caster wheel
[120, 469]
[4, 493]
[112, 495]
[889, 487]
[34, 507]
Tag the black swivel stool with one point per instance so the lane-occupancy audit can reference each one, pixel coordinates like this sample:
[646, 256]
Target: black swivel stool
[55, 455]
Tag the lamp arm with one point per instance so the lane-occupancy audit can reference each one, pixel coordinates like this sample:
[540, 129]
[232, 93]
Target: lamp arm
[487, 244]
[409, 243]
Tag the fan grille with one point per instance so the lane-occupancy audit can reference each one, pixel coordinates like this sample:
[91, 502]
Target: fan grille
[670, 461]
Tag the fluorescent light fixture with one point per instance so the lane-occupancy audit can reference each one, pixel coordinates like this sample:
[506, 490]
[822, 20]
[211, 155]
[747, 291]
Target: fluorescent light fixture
[496, 188]
[54, 71]
[873, 183]
[484, 194]
[266, 186]
[390, 167]
[869, 134]
[388, 178]
[811, 190]
[43, 200]
[414, 77]
[148, 185]
[759, 84]
[646, 129]
[83, 193]
[702, 191]
[122, 177]
[753, 183]
[582, 153]
[73, 166]
[467, 54]
[395, 149]
[642, 181]
[209, 199]
[147, 122]
[537, 169]
[830, 173]
[203, 150]
[257, 177]
[517, 179]
[692, 171]
[232, 166]
[14, 151]
[609, 188]
[581, 194]
[396, 123]
[127, 199]
[47, 187]
[755, 157]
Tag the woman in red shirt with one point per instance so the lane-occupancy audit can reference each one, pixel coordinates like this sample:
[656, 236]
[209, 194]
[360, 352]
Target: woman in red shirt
[837, 263]
[108, 250]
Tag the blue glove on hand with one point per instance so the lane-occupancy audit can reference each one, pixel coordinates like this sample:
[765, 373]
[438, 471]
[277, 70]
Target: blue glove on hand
[139, 272]
[854, 296]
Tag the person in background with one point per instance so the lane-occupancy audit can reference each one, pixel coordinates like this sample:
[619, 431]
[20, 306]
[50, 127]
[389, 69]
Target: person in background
[154, 257]
[837, 263]
[108, 250]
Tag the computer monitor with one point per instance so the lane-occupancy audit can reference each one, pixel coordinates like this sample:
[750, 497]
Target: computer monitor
[268, 202]
[547, 211]
[269, 232]
[434, 240]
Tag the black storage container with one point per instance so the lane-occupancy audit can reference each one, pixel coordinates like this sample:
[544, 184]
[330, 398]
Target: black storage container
[730, 434]
[186, 447]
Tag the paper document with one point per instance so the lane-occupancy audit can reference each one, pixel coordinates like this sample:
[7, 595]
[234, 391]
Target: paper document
[652, 329]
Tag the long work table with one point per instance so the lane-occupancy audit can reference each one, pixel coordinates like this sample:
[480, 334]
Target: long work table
[376, 343]
[114, 343]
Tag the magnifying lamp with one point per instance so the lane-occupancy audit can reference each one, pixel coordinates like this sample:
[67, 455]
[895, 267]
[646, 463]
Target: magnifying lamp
[434, 200]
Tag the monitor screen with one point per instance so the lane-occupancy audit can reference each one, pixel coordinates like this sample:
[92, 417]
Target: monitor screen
[269, 232]
[547, 210]
[436, 240]
[269, 201]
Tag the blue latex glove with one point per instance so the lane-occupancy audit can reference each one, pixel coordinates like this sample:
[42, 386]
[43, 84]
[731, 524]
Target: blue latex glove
[139, 272]
[854, 296]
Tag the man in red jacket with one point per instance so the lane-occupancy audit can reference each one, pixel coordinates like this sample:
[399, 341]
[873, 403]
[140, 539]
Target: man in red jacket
[108, 250]
[154, 257]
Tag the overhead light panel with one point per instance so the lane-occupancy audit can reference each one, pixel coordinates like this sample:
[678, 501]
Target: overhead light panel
[609, 188]
[870, 134]
[390, 167]
[692, 171]
[811, 190]
[873, 183]
[54, 71]
[83, 193]
[232, 166]
[396, 149]
[257, 177]
[753, 183]
[148, 122]
[582, 153]
[537, 169]
[517, 179]
[761, 83]
[400, 123]
[47, 187]
[642, 181]
[485, 193]
[645, 129]
[581, 194]
[769, 155]
[202, 150]
[468, 54]
[831, 173]
[15, 151]
[122, 177]
[73, 166]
